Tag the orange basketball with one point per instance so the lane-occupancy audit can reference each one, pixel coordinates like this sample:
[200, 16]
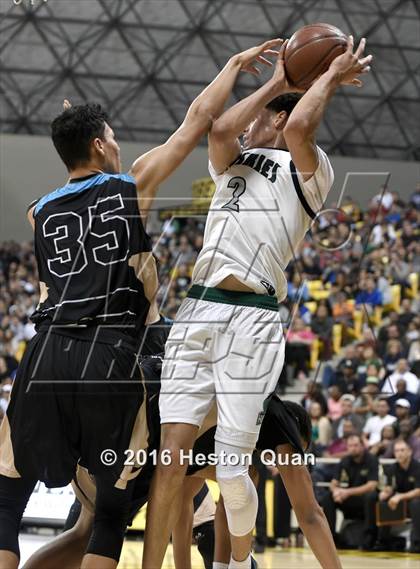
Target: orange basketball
[310, 52]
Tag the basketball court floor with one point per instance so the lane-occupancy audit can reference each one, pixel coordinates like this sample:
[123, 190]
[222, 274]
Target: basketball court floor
[293, 558]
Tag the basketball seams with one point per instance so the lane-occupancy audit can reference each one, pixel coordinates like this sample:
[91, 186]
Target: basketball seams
[310, 51]
[290, 53]
[314, 71]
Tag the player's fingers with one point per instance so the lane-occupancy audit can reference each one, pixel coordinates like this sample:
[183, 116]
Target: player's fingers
[365, 69]
[66, 104]
[357, 83]
[272, 43]
[365, 60]
[251, 69]
[360, 48]
[274, 52]
[283, 49]
[265, 61]
[350, 43]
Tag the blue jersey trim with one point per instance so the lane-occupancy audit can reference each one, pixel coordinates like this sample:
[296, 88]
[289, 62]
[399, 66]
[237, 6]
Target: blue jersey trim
[77, 187]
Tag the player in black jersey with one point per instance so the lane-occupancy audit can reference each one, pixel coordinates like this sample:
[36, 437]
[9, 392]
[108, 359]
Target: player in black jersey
[78, 397]
[285, 428]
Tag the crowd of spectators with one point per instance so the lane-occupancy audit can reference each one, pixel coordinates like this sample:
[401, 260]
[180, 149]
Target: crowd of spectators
[352, 304]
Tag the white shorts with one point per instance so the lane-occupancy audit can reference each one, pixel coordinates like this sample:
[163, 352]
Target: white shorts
[229, 353]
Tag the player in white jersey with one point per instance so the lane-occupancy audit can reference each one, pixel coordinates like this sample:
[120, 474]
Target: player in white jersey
[227, 342]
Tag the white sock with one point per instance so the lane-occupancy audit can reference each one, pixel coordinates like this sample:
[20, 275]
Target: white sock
[219, 565]
[245, 564]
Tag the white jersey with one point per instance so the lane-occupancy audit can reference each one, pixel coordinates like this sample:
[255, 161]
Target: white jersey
[259, 215]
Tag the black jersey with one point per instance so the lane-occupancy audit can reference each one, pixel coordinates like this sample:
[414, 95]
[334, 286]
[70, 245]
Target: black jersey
[87, 234]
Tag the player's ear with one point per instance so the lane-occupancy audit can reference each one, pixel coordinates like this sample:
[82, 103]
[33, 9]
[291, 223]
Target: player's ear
[98, 146]
[280, 120]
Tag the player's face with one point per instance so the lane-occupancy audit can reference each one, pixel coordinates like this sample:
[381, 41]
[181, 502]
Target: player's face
[261, 132]
[112, 152]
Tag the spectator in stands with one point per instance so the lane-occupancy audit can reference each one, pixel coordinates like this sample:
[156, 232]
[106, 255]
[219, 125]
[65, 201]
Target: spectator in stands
[385, 447]
[353, 488]
[330, 374]
[298, 345]
[297, 288]
[346, 377]
[347, 414]
[321, 426]
[412, 438]
[338, 448]
[408, 235]
[373, 428]
[322, 325]
[399, 269]
[402, 485]
[406, 314]
[394, 351]
[369, 294]
[402, 371]
[402, 393]
[342, 309]
[334, 404]
[413, 338]
[382, 201]
[363, 406]
[387, 333]
[402, 412]
[314, 393]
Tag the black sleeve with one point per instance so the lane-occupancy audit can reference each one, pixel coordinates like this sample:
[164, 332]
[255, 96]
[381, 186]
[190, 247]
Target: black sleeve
[373, 473]
[339, 469]
[389, 473]
[417, 474]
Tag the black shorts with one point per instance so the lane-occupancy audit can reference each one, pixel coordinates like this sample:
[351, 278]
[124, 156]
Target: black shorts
[279, 427]
[76, 393]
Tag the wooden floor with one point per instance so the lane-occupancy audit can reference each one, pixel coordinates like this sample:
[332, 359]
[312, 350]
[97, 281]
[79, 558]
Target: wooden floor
[292, 558]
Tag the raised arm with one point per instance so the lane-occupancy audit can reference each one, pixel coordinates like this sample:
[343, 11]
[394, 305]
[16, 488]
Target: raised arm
[151, 169]
[224, 145]
[300, 129]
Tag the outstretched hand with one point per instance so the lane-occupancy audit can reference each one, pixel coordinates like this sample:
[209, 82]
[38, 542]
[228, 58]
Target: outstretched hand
[350, 65]
[258, 54]
[279, 75]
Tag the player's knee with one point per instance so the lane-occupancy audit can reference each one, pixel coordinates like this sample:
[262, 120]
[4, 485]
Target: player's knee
[235, 489]
[171, 465]
[308, 514]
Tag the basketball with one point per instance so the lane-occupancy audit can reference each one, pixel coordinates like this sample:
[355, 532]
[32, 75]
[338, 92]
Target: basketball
[310, 51]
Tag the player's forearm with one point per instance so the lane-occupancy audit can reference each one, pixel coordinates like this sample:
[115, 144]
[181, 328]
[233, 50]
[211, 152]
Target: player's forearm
[234, 121]
[307, 114]
[210, 103]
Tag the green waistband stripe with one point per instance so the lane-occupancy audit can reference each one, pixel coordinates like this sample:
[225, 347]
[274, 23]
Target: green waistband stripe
[233, 297]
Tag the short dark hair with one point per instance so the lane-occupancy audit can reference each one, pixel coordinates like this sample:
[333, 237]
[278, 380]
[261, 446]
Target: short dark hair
[73, 131]
[356, 436]
[302, 418]
[286, 102]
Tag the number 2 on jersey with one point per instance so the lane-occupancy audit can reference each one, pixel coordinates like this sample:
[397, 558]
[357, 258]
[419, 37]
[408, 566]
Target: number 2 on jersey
[239, 186]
